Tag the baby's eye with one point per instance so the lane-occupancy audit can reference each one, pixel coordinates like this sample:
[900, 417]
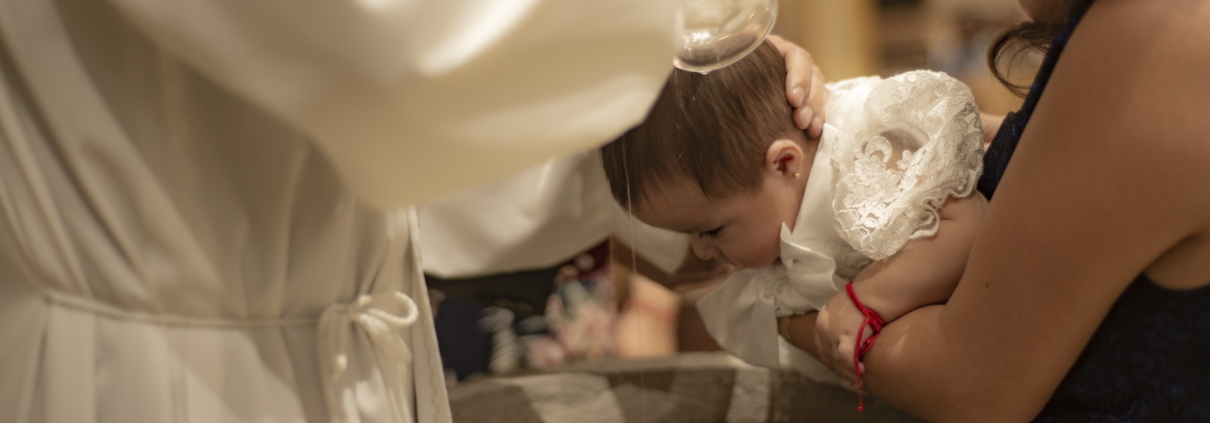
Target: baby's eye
[713, 233]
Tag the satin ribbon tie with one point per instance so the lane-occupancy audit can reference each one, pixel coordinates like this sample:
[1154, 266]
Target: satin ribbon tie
[392, 353]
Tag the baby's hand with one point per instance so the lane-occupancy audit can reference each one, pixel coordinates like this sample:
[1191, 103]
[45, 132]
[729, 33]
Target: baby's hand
[835, 335]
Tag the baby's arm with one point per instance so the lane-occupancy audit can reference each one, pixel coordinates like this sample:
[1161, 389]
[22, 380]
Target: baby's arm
[924, 272]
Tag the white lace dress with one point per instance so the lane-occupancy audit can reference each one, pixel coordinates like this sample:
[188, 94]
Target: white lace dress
[891, 153]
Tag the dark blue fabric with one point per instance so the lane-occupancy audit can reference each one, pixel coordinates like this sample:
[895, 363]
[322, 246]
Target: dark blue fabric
[1149, 361]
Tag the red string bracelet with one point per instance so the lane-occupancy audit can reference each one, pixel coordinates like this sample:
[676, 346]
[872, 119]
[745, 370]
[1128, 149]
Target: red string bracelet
[874, 321]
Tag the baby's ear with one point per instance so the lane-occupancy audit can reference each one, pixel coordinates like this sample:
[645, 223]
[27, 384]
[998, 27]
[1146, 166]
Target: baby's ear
[785, 157]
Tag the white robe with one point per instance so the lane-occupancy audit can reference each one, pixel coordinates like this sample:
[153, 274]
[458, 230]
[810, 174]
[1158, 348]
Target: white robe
[536, 219]
[190, 226]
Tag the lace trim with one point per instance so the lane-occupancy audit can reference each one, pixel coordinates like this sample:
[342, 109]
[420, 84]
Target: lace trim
[919, 141]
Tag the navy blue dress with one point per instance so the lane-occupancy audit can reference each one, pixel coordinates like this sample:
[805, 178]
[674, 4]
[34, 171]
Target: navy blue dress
[1149, 361]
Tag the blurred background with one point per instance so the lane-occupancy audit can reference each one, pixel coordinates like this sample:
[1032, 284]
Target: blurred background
[884, 37]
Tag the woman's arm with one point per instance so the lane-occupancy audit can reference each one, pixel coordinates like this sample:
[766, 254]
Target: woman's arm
[927, 269]
[1109, 175]
[924, 272]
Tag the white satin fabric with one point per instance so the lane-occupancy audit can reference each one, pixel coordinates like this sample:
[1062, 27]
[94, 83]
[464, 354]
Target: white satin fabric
[180, 238]
[480, 88]
[536, 219]
[820, 254]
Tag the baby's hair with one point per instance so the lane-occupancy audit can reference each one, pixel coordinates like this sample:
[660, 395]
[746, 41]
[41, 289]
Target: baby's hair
[714, 128]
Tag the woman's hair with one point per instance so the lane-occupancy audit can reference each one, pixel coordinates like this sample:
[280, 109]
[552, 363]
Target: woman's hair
[1029, 36]
[714, 128]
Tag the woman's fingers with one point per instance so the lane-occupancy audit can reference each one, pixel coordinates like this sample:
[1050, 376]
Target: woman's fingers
[817, 103]
[844, 358]
[805, 88]
[798, 73]
[803, 118]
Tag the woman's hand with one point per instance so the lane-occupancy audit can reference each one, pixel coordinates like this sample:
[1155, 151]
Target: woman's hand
[835, 335]
[804, 87]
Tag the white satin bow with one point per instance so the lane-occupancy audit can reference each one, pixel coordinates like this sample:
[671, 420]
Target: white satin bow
[742, 314]
[392, 353]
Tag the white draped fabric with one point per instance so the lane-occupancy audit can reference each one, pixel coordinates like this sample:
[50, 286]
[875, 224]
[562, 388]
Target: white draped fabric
[536, 219]
[180, 238]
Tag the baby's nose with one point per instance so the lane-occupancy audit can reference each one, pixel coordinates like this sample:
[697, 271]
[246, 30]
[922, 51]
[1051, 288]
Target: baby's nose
[703, 249]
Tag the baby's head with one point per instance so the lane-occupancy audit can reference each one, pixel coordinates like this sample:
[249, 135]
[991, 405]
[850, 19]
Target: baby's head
[718, 158]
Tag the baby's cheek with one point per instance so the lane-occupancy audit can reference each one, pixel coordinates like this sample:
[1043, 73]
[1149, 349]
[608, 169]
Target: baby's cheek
[755, 256]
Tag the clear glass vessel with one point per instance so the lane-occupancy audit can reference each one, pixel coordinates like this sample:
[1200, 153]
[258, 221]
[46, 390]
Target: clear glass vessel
[716, 33]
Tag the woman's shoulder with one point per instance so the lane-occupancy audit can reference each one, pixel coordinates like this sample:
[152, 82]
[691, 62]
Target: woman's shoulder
[1132, 81]
[1121, 126]
[1128, 98]
[1167, 38]
[1145, 53]
[1137, 18]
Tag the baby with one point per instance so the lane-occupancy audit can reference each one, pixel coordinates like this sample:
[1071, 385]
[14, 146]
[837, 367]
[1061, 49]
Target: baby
[885, 198]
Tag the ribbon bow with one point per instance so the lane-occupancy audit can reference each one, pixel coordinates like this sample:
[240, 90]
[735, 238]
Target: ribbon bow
[742, 313]
[392, 353]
